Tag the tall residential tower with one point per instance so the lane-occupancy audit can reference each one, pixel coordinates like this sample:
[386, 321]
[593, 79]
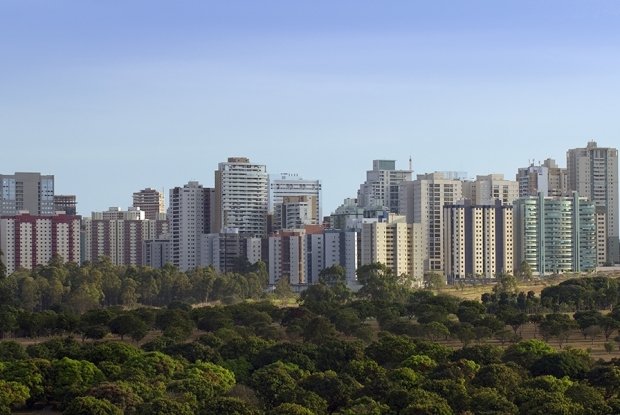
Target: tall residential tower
[593, 173]
[241, 197]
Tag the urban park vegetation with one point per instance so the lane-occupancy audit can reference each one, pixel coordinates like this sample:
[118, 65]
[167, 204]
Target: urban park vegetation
[102, 339]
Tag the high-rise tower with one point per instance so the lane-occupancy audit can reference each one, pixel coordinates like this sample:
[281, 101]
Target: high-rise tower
[593, 173]
[189, 214]
[241, 197]
[30, 192]
[150, 201]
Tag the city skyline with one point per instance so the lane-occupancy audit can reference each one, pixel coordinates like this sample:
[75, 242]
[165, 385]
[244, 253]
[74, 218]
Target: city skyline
[130, 95]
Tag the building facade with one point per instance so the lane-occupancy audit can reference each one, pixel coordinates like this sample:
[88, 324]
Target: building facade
[478, 240]
[65, 203]
[156, 252]
[430, 193]
[119, 235]
[26, 192]
[555, 235]
[151, 202]
[546, 178]
[189, 216]
[382, 186]
[287, 258]
[241, 197]
[291, 185]
[294, 212]
[29, 240]
[485, 190]
[593, 173]
[225, 250]
[395, 243]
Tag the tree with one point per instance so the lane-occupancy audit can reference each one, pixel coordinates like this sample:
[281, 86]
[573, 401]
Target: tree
[573, 363]
[283, 289]
[2, 266]
[329, 386]
[489, 401]
[592, 332]
[506, 284]
[525, 271]
[364, 406]
[527, 352]
[231, 406]
[423, 402]
[12, 395]
[127, 324]
[380, 284]
[73, 377]
[165, 406]
[11, 350]
[120, 394]
[333, 275]
[433, 280]
[319, 330]
[277, 383]
[558, 326]
[505, 378]
[291, 409]
[89, 405]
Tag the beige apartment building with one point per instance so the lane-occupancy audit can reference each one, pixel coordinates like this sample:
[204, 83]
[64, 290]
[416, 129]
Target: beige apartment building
[593, 173]
[430, 193]
[397, 244]
[485, 190]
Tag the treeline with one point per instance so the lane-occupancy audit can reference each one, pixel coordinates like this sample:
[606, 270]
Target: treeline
[592, 293]
[325, 356]
[102, 284]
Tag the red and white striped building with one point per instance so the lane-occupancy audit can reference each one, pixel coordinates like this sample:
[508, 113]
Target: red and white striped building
[30, 240]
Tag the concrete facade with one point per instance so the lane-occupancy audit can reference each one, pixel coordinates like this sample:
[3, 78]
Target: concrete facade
[30, 240]
[397, 244]
[241, 197]
[593, 173]
[291, 185]
[151, 202]
[119, 235]
[546, 178]
[382, 186]
[430, 193]
[31, 192]
[478, 240]
[189, 214]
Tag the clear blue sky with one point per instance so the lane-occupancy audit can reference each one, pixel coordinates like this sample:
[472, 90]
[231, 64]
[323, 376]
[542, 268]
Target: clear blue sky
[114, 96]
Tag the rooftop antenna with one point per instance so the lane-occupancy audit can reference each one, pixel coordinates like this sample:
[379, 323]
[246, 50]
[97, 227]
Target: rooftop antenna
[410, 165]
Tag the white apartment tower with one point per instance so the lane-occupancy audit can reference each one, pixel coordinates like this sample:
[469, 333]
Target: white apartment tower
[189, 216]
[593, 173]
[241, 197]
[382, 186]
[430, 193]
[291, 185]
[477, 240]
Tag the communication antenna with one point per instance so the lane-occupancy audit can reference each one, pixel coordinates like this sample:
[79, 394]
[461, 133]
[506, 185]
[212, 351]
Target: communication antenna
[410, 163]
